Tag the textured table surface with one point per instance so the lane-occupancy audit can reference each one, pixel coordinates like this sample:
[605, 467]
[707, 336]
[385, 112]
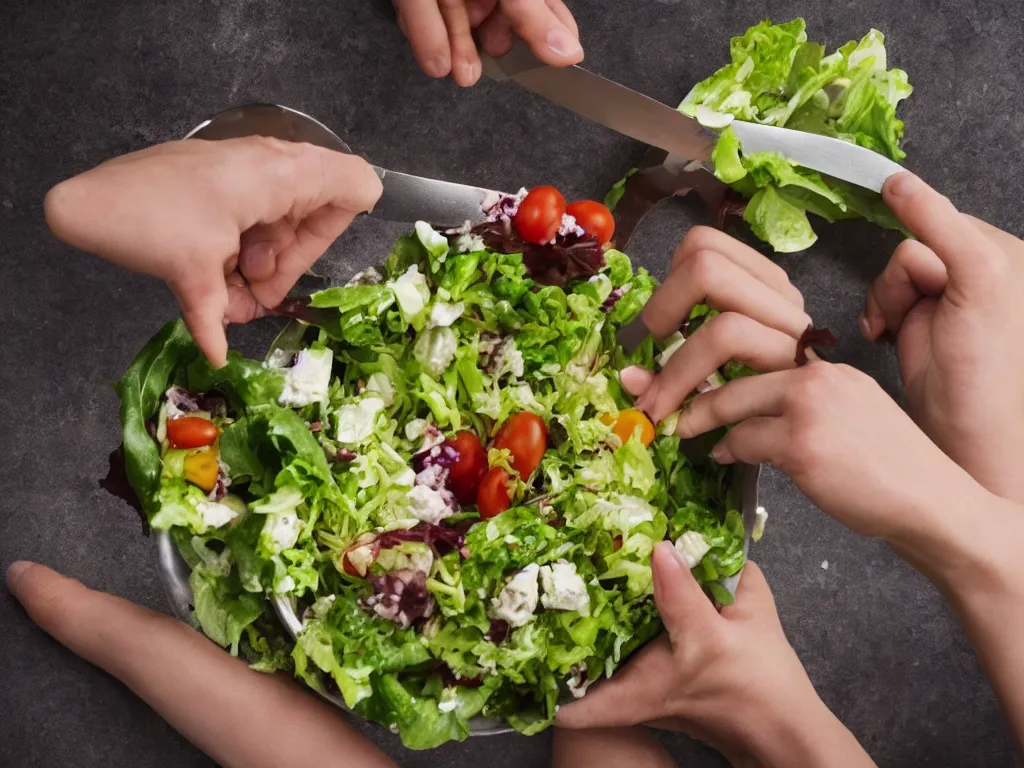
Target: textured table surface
[83, 81]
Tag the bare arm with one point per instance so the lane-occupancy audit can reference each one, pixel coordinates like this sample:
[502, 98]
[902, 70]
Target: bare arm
[205, 694]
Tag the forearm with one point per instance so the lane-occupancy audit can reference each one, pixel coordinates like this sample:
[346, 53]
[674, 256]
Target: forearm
[972, 552]
[239, 717]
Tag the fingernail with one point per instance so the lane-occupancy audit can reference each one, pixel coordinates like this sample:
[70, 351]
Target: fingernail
[902, 184]
[562, 42]
[14, 573]
[257, 261]
[468, 73]
[722, 455]
[634, 379]
[865, 328]
[439, 66]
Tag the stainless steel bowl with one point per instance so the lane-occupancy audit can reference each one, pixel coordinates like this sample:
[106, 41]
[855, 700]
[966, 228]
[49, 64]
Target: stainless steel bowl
[289, 125]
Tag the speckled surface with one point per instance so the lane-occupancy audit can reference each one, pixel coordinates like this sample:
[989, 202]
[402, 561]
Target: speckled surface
[83, 81]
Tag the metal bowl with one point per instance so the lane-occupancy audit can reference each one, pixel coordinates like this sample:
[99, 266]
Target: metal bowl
[290, 125]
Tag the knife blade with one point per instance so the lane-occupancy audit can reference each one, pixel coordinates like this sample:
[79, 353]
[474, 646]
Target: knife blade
[414, 198]
[640, 117]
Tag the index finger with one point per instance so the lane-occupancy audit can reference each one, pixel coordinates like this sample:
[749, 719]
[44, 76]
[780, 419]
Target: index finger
[540, 28]
[936, 222]
[269, 179]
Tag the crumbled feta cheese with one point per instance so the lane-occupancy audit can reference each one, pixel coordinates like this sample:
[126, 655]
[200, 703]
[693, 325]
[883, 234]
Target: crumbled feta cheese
[467, 243]
[824, 565]
[369, 276]
[215, 514]
[282, 530]
[507, 359]
[381, 384]
[426, 504]
[308, 380]
[569, 227]
[564, 589]
[411, 292]
[279, 358]
[356, 420]
[623, 513]
[518, 599]
[692, 547]
[672, 345]
[443, 314]
[760, 518]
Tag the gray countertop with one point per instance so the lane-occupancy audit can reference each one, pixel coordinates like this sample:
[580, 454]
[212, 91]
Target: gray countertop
[81, 82]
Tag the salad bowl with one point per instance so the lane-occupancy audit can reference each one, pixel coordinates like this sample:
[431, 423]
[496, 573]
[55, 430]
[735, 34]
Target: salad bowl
[279, 122]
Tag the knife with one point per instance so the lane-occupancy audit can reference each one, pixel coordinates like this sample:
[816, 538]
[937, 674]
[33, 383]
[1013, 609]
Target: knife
[405, 198]
[640, 117]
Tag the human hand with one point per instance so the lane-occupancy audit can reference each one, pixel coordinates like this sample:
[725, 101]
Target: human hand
[229, 225]
[952, 300]
[441, 33]
[730, 679]
[204, 693]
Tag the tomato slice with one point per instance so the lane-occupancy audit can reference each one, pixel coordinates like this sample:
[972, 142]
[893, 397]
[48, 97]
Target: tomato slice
[191, 432]
[526, 436]
[495, 495]
[540, 215]
[626, 424]
[594, 218]
[465, 475]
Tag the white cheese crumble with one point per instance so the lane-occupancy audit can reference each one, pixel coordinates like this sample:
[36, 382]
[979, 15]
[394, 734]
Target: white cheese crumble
[518, 600]
[426, 504]
[564, 589]
[824, 565]
[308, 380]
[279, 358]
[692, 547]
[215, 514]
[356, 420]
[282, 531]
[508, 359]
[569, 227]
[467, 243]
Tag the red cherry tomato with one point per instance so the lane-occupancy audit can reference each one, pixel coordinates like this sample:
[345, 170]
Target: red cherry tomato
[465, 475]
[360, 556]
[540, 215]
[494, 496]
[191, 432]
[617, 543]
[526, 436]
[595, 219]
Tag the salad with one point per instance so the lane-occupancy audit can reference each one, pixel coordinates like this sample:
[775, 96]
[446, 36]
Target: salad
[440, 471]
[778, 78]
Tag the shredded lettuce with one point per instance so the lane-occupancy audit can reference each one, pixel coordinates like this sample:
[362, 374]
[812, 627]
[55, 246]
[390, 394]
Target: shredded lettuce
[342, 506]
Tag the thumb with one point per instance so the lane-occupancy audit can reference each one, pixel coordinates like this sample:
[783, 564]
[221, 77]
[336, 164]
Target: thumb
[936, 222]
[204, 305]
[635, 694]
[681, 602]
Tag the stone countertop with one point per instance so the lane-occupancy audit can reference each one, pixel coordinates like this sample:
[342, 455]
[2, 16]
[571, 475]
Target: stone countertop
[85, 81]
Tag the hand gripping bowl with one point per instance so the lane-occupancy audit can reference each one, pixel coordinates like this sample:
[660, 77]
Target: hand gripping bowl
[290, 125]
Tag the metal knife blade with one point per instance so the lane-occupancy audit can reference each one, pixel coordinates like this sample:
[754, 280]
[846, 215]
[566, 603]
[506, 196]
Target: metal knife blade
[414, 198]
[632, 114]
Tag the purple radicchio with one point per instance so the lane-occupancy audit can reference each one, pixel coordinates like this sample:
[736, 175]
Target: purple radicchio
[440, 537]
[401, 596]
[614, 296]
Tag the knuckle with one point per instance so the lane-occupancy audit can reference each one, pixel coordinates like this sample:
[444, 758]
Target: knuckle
[697, 239]
[727, 329]
[704, 268]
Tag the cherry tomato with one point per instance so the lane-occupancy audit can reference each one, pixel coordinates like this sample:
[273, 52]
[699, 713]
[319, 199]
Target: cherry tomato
[595, 219]
[540, 215]
[191, 432]
[465, 475]
[526, 436]
[625, 425]
[494, 496]
[360, 556]
[202, 469]
[617, 543]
